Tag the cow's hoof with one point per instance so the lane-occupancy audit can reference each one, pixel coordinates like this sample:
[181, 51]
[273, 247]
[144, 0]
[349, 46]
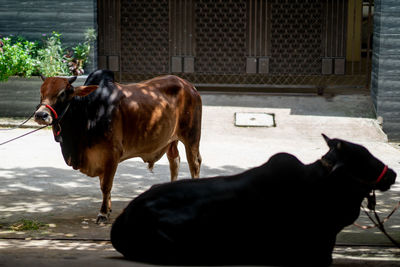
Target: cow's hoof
[101, 218]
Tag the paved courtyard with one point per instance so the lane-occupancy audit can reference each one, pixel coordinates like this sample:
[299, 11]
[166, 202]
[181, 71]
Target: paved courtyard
[36, 184]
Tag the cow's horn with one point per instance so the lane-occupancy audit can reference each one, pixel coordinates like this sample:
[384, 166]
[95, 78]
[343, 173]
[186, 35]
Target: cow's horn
[72, 79]
[327, 139]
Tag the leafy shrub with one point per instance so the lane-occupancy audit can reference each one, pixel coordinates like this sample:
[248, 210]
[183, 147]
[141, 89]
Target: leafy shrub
[17, 57]
[81, 52]
[51, 57]
[48, 57]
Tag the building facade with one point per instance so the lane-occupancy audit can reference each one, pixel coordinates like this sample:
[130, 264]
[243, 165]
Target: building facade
[316, 46]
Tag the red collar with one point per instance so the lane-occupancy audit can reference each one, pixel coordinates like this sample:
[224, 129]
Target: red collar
[56, 132]
[52, 110]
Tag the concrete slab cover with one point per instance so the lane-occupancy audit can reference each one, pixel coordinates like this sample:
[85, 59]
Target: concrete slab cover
[254, 119]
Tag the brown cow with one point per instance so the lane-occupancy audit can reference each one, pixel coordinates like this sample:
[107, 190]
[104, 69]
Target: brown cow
[103, 123]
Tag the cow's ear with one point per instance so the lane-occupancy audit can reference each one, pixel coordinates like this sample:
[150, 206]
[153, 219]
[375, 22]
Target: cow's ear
[84, 90]
[339, 145]
[42, 77]
[72, 79]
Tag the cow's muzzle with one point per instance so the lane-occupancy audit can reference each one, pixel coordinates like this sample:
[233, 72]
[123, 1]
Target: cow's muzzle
[43, 115]
[43, 118]
[387, 180]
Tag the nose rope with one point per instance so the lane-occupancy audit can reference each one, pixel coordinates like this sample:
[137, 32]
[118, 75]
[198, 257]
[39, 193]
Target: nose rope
[20, 125]
[25, 121]
[378, 223]
[56, 117]
[18, 137]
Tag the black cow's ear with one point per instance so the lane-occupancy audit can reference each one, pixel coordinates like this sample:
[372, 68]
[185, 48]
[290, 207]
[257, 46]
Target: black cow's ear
[43, 77]
[72, 79]
[339, 145]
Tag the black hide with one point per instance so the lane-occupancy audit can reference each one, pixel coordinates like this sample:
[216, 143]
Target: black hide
[281, 213]
[88, 118]
[97, 76]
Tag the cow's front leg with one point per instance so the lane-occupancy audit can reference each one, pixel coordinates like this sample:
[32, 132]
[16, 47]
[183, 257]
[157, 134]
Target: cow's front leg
[106, 182]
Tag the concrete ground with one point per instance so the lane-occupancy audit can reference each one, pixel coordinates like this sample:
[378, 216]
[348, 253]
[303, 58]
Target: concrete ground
[36, 184]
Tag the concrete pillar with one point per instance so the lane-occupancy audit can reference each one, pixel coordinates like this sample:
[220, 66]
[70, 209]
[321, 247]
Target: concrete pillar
[385, 86]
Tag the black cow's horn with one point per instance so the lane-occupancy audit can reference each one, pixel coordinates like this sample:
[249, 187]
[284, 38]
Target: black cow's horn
[72, 79]
[327, 139]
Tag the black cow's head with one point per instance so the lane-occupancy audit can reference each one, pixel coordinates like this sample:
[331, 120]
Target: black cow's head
[359, 164]
[55, 93]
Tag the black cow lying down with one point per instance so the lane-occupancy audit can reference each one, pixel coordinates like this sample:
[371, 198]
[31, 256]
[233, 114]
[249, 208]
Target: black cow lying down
[281, 213]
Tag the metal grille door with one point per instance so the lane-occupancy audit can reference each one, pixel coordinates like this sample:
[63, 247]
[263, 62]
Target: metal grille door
[246, 43]
[144, 37]
[296, 37]
[221, 36]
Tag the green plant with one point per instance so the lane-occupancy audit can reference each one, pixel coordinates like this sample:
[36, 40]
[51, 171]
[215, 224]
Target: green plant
[17, 57]
[25, 225]
[52, 61]
[24, 58]
[81, 53]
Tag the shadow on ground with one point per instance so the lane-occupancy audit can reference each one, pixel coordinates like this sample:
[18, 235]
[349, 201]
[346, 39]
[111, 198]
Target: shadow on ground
[101, 253]
[68, 201]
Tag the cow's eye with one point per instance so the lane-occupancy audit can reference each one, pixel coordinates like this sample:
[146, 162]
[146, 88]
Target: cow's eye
[62, 96]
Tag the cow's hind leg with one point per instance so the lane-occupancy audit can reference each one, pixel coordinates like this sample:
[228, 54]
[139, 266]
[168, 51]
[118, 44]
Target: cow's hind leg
[190, 137]
[174, 160]
[106, 183]
[193, 158]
